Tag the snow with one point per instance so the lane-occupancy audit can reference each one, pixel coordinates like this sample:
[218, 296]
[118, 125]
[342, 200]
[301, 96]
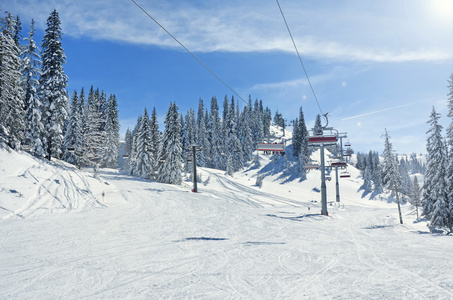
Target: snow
[145, 240]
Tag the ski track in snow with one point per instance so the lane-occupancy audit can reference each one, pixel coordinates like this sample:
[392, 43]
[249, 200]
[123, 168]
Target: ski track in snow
[229, 241]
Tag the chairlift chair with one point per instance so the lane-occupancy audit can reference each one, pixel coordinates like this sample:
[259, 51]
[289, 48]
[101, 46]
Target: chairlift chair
[339, 164]
[312, 165]
[345, 175]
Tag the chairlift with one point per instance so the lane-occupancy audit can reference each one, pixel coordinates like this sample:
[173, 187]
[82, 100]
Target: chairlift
[125, 156]
[312, 165]
[322, 139]
[71, 149]
[347, 144]
[25, 145]
[345, 175]
[339, 164]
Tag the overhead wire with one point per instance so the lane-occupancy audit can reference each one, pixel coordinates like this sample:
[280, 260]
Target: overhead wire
[298, 55]
[190, 52]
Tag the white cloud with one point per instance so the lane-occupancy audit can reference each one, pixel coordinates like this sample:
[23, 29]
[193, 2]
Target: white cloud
[348, 32]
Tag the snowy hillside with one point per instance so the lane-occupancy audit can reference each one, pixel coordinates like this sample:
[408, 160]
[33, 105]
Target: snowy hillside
[59, 238]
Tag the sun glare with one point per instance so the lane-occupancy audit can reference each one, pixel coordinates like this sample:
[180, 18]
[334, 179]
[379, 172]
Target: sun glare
[443, 8]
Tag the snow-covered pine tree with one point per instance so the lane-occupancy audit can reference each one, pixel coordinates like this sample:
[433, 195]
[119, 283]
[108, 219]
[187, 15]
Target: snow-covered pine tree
[112, 129]
[155, 136]
[392, 177]
[367, 175]
[133, 156]
[267, 120]
[80, 140]
[360, 164]
[31, 63]
[95, 136]
[317, 129]
[406, 181]
[144, 162]
[441, 215]
[436, 204]
[17, 37]
[377, 174]
[170, 152]
[303, 136]
[189, 138]
[245, 134]
[52, 84]
[128, 141]
[11, 93]
[278, 119]
[435, 169]
[72, 142]
[449, 171]
[202, 141]
[103, 108]
[302, 159]
[233, 144]
[257, 129]
[388, 160]
[215, 138]
[415, 195]
[128, 147]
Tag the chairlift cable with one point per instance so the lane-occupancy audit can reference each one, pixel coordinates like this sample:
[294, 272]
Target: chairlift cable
[190, 52]
[300, 59]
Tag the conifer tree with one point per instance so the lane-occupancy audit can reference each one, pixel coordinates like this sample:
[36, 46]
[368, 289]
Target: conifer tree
[52, 84]
[31, 63]
[170, 152]
[11, 93]
[435, 170]
[245, 134]
[80, 139]
[155, 136]
[234, 149]
[257, 129]
[72, 142]
[392, 177]
[112, 129]
[215, 138]
[367, 175]
[303, 135]
[302, 161]
[377, 174]
[317, 129]
[267, 120]
[202, 141]
[449, 171]
[415, 195]
[127, 149]
[134, 149]
[95, 135]
[144, 163]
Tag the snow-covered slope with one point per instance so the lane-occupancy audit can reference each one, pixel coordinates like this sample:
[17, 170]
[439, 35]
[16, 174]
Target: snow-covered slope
[59, 239]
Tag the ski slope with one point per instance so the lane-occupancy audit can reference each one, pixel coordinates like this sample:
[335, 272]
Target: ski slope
[60, 239]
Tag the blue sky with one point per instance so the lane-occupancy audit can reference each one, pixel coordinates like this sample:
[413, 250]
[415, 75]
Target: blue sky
[373, 64]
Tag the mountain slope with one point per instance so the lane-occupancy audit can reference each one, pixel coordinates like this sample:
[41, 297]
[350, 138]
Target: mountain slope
[231, 240]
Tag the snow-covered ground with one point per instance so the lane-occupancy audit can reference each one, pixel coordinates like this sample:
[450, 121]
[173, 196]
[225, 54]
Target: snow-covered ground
[60, 239]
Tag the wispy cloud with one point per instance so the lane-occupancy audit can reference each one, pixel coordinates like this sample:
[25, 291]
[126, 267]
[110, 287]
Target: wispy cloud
[238, 26]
